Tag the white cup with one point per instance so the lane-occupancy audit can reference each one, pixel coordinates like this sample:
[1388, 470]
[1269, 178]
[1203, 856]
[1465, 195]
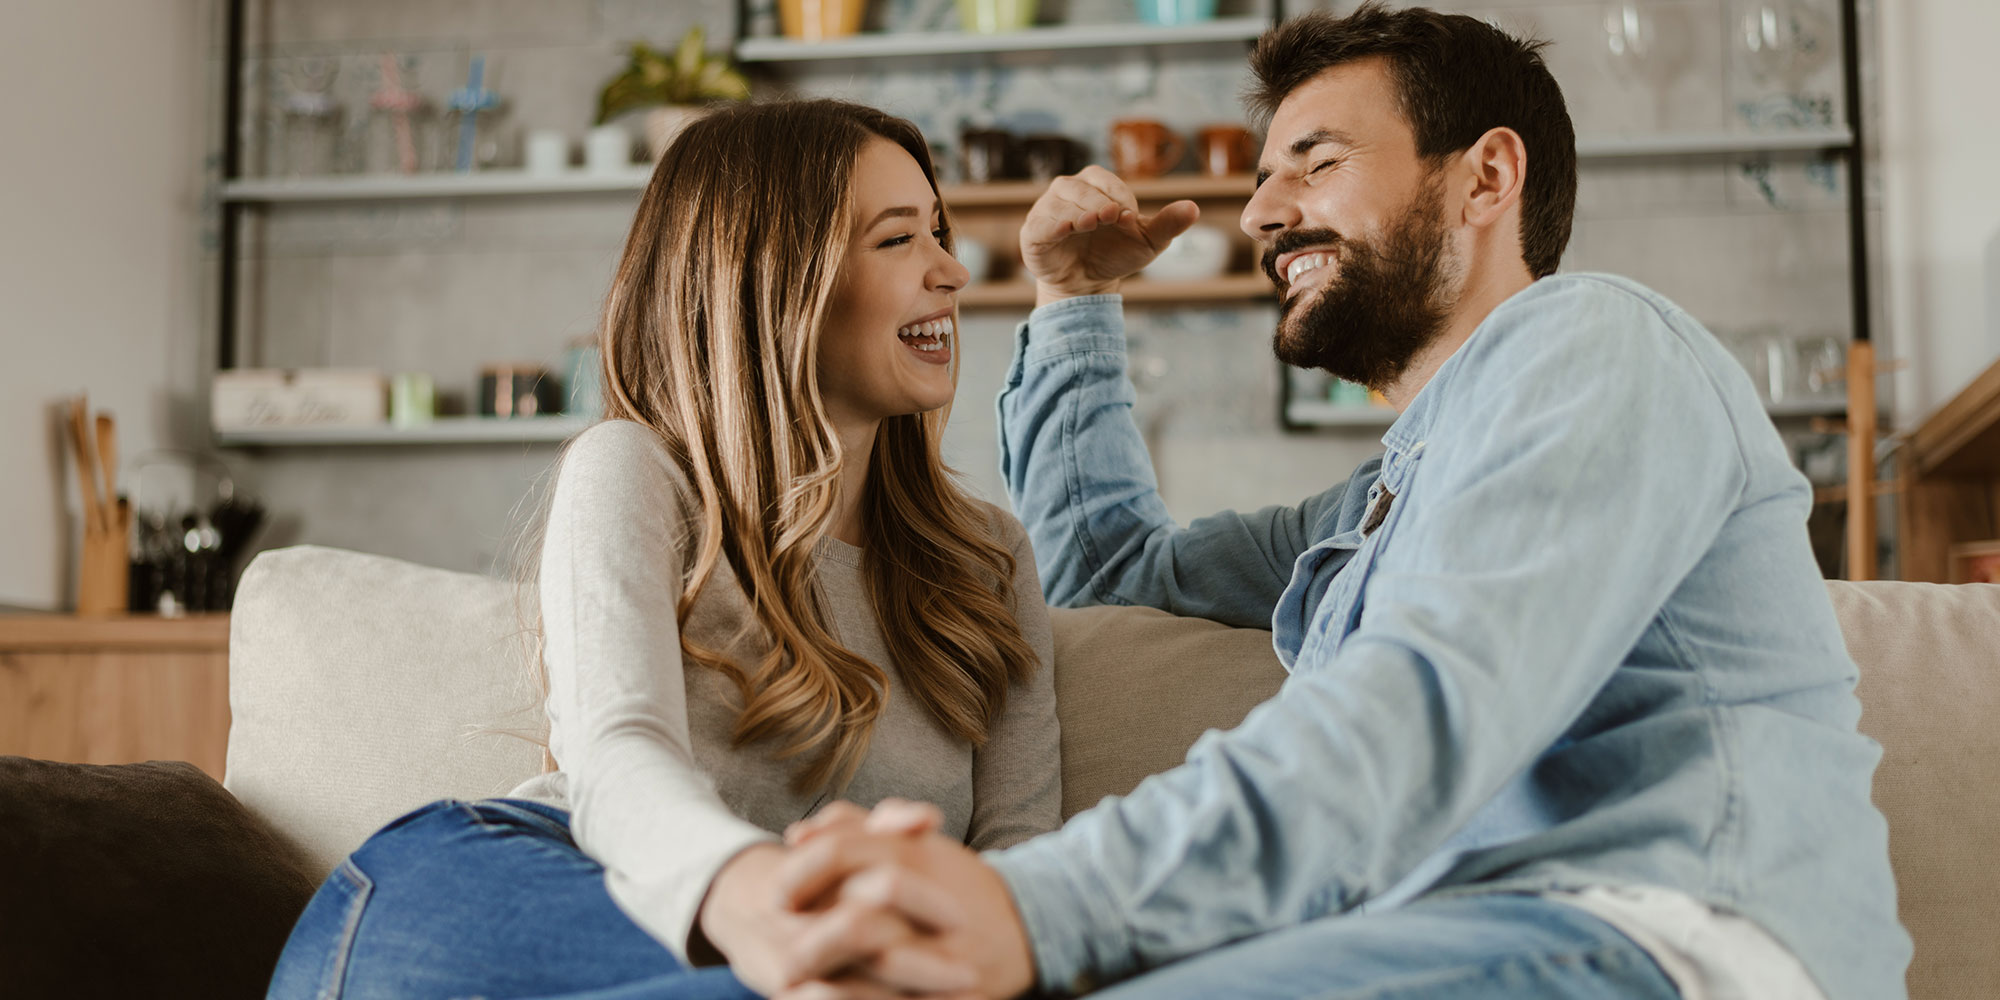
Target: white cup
[548, 151]
[1201, 252]
[607, 149]
[976, 256]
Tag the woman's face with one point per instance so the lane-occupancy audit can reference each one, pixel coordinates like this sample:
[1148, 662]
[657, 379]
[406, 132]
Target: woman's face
[889, 337]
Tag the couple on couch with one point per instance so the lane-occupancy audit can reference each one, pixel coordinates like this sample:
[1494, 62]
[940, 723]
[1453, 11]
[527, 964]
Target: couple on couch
[1569, 714]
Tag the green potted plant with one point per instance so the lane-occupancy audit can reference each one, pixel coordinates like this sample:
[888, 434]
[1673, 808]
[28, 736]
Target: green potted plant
[673, 85]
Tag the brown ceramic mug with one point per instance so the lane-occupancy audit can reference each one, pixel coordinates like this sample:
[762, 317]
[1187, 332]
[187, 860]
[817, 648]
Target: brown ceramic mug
[1142, 147]
[1048, 156]
[1225, 150]
[988, 154]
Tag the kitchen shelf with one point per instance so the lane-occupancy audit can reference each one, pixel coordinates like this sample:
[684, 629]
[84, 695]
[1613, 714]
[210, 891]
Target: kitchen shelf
[520, 183]
[1809, 408]
[1707, 144]
[442, 430]
[1314, 413]
[940, 43]
[444, 184]
[1002, 194]
[1229, 288]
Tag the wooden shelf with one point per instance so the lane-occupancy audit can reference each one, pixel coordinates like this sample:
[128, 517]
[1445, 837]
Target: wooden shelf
[944, 43]
[443, 430]
[1172, 187]
[142, 632]
[1962, 439]
[1799, 410]
[1229, 288]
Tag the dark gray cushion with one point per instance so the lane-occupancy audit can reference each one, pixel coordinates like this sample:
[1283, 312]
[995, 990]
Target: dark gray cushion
[134, 880]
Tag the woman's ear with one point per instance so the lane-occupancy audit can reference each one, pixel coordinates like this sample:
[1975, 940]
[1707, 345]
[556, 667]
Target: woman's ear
[1498, 166]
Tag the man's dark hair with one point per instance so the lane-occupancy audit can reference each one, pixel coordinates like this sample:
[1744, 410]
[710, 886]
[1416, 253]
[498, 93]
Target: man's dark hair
[1457, 77]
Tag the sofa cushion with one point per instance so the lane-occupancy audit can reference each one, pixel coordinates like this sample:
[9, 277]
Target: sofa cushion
[149, 877]
[361, 687]
[1136, 686]
[1930, 694]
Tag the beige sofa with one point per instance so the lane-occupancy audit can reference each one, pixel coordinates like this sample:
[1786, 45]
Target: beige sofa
[362, 686]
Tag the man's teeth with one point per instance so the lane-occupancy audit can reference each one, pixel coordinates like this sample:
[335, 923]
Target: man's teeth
[937, 329]
[1305, 262]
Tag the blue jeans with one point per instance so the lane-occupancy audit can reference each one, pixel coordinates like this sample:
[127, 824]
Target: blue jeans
[484, 899]
[1501, 946]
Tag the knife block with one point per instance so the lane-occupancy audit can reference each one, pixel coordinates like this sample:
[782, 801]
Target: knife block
[105, 568]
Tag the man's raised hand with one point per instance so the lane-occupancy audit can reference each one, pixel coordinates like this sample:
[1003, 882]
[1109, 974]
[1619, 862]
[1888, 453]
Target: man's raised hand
[1085, 235]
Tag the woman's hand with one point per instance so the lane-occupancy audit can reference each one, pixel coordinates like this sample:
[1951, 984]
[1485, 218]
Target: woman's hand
[1085, 235]
[882, 930]
[850, 854]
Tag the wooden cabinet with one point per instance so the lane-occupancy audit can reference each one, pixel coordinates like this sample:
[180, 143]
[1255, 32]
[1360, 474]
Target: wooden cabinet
[115, 690]
[1951, 481]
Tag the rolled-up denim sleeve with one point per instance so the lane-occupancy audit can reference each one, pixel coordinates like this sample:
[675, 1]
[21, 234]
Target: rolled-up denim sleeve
[1559, 500]
[1080, 479]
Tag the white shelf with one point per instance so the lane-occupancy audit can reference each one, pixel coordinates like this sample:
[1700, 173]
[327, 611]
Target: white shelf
[519, 183]
[1684, 144]
[933, 43]
[1314, 413]
[445, 184]
[443, 430]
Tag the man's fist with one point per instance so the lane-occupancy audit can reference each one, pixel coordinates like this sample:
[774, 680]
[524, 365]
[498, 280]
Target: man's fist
[1084, 235]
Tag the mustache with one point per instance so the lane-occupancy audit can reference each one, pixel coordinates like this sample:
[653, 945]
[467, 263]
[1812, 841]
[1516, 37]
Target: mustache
[1297, 239]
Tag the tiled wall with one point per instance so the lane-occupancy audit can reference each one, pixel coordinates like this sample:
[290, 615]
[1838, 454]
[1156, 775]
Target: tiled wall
[447, 287]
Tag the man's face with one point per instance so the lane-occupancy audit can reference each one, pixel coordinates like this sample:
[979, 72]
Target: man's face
[1354, 229]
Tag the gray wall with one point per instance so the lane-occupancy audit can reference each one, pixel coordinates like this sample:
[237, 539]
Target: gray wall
[446, 287]
[101, 145]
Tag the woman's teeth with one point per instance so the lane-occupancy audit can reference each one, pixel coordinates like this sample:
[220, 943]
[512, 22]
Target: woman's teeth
[937, 332]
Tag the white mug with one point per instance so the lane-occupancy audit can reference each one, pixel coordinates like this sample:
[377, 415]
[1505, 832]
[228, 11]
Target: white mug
[548, 151]
[607, 149]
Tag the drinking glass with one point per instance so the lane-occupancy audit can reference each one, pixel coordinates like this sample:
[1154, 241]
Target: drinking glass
[1648, 45]
[1783, 41]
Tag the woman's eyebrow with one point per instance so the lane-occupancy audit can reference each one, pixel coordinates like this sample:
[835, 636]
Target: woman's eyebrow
[900, 211]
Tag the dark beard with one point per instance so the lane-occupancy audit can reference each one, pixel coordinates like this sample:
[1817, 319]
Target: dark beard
[1386, 301]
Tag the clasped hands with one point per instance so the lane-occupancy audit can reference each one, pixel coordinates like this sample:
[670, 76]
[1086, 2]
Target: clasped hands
[862, 905]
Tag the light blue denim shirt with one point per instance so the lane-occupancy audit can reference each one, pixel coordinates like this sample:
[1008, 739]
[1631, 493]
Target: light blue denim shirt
[1567, 631]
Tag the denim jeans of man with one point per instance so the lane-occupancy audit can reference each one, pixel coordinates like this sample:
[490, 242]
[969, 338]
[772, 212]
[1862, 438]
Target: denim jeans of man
[486, 899]
[1497, 946]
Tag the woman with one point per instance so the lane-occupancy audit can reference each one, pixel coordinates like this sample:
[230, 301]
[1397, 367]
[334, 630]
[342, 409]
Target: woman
[759, 588]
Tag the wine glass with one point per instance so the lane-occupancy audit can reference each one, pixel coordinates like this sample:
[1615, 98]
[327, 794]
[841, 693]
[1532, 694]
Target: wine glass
[1648, 45]
[1784, 41]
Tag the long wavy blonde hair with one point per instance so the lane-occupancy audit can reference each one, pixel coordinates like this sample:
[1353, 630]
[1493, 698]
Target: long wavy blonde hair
[710, 336]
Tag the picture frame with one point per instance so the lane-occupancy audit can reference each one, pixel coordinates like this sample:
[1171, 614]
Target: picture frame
[1976, 562]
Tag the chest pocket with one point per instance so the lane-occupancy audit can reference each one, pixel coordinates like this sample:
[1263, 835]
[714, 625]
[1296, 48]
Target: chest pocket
[1339, 612]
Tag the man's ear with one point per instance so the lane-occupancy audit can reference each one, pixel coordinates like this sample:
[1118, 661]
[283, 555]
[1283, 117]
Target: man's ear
[1496, 167]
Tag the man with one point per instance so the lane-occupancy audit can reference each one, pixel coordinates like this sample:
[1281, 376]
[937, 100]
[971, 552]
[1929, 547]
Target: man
[1569, 712]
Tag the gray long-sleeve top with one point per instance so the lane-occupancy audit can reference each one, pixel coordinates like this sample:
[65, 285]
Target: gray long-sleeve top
[645, 763]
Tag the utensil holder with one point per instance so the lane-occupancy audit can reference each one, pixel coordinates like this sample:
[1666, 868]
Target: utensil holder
[103, 573]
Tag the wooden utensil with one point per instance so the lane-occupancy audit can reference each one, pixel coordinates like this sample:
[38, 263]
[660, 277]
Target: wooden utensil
[107, 456]
[95, 517]
[104, 569]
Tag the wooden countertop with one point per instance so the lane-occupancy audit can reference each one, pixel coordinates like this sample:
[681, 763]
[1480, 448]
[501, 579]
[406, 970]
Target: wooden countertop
[207, 632]
[1962, 439]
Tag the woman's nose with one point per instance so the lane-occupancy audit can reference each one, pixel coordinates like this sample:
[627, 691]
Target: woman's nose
[950, 273]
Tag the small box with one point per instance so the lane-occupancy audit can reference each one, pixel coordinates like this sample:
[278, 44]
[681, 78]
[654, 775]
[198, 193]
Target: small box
[251, 398]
